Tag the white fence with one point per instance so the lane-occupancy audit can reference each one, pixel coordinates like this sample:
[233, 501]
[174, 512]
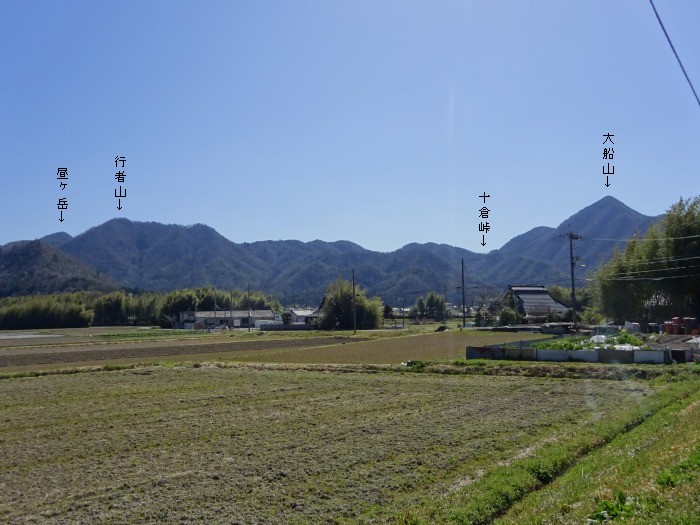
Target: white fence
[588, 356]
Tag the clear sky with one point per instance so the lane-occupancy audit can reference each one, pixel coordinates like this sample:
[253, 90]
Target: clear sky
[378, 122]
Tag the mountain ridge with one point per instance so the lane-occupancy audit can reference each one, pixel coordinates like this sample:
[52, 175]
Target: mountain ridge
[162, 257]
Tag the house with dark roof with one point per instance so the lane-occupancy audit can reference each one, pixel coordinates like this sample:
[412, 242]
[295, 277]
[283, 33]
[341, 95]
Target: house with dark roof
[532, 302]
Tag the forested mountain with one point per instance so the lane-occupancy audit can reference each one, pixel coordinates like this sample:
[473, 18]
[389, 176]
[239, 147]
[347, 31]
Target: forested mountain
[542, 254]
[29, 268]
[159, 257]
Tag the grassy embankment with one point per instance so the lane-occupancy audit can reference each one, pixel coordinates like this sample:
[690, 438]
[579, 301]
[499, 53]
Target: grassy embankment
[648, 475]
[638, 463]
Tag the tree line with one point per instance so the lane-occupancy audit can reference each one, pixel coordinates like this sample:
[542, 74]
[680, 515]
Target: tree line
[82, 309]
[66, 310]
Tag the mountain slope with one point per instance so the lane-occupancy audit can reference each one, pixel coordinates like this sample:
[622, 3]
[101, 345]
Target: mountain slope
[160, 257]
[33, 267]
[548, 249]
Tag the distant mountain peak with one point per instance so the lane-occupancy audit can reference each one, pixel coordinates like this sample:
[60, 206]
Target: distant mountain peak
[608, 198]
[56, 239]
[607, 208]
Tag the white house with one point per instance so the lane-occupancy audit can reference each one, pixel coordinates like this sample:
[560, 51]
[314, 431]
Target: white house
[304, 315]
[230, 318]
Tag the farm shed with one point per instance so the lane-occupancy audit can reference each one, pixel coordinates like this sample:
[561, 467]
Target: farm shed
[532, 302]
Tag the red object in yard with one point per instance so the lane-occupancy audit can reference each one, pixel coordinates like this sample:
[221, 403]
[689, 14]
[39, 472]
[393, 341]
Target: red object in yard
[668, 327]
[677, 327]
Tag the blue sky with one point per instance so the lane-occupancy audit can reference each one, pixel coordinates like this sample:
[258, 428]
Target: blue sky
[378, 122]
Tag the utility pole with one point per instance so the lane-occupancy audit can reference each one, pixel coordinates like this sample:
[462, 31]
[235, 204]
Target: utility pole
[573, 237]
[249, 312]
[464, 306]
[444, 309]
[354, 313]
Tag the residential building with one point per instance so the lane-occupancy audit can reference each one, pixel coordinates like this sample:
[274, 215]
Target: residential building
[304, 315]
[532, 302]
[228, 318]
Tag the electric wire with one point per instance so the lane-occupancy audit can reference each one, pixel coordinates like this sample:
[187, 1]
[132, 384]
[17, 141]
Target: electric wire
[674, 51]
[635, 279]
[662, 260]
[656, 270]
[641, 239]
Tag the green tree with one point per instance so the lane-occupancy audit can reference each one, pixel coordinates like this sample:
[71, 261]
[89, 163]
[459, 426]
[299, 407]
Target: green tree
[435, 307]
[484, 315]
[337, 312]
[420, 307]
[111, 309]
[45, 311]
[591, 315]
[387, 312]
[654, 278]
[561, 295]
[179, 301]
[682, 246]
[147, 308]
[508, 316]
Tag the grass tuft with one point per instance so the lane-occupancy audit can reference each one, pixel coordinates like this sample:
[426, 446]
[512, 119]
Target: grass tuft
[682, 472]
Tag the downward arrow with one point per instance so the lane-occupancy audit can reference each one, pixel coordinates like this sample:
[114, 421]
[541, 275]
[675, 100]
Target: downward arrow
[61, 219]
[483, 240]
[119, 205]
[607, 181]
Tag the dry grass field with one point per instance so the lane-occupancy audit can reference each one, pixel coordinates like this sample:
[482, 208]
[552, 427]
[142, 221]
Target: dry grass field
[206, 444]
[255, 428]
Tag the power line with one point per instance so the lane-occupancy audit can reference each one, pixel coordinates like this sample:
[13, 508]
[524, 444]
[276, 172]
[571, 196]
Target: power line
[674, 51]
[632, 273]
[658, 260]
[449, 289]
[662, 260]
[635, 279]
[640, 239]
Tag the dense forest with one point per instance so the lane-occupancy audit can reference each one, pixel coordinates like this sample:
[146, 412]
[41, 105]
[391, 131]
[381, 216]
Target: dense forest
[81, 309]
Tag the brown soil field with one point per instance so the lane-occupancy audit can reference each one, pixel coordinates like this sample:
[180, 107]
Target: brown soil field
[367, 348]
[143, 350]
